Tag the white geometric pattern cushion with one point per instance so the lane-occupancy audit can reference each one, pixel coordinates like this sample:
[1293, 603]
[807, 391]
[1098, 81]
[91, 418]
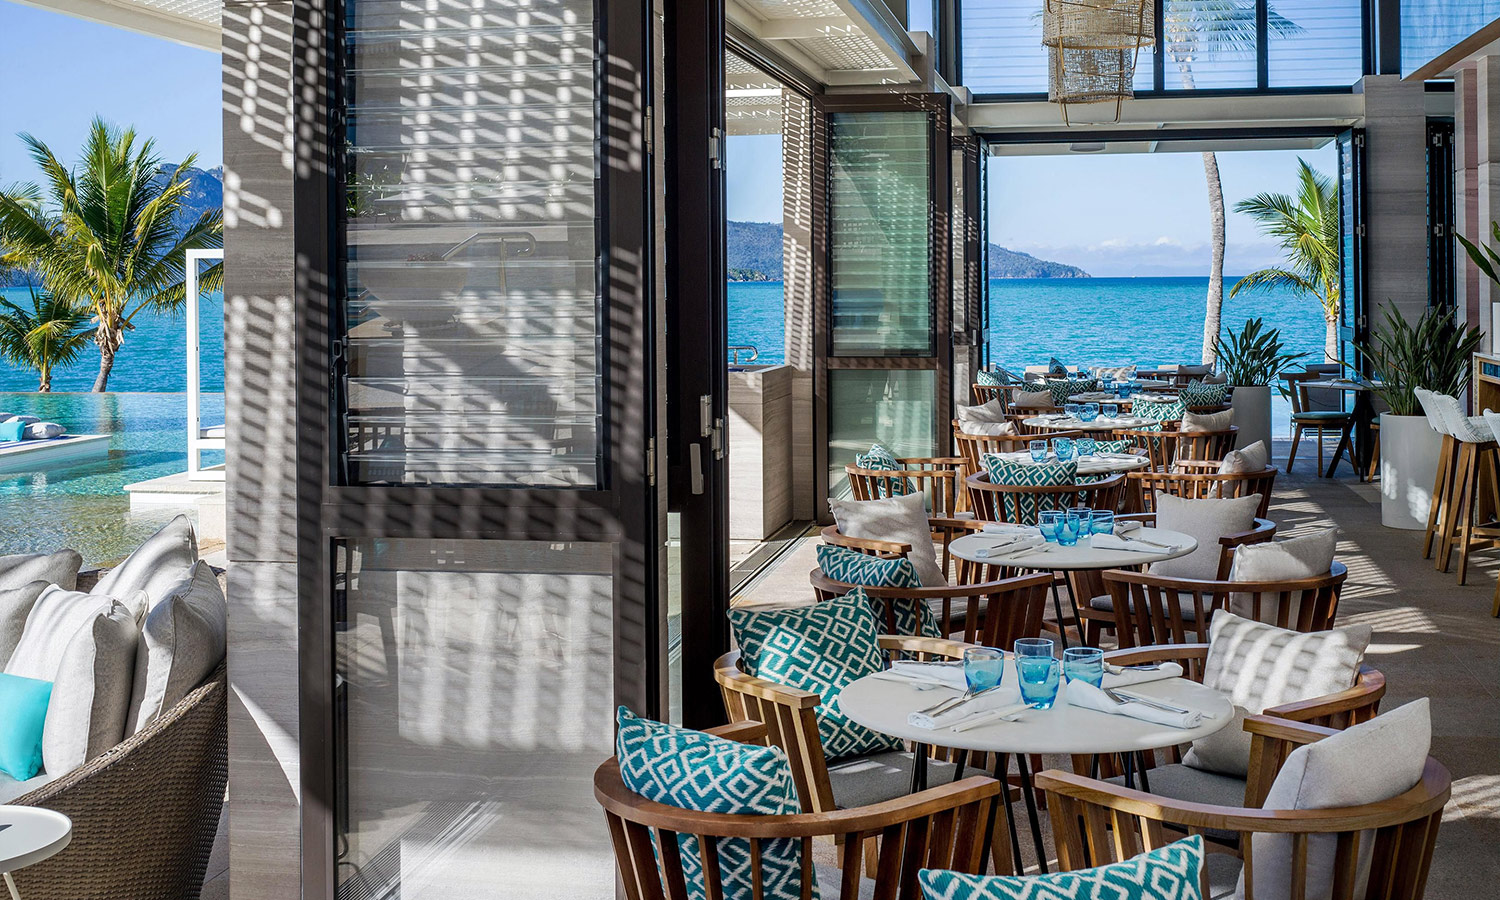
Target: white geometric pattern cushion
[1166, 873]
[1158, 411]
[987, 378]
[902, 520]
[821, 648]
[697, 771]
[1257, 666]
[880, 459]
[1022, 509]
[1063, 388]
[1366, 763]
[852, 567]
[1199, 393]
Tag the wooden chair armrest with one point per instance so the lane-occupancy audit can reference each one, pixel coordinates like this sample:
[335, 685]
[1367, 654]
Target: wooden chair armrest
[830, 535]
[731, 678]
[1144, 518]
[1297, 733]
[1263, 531]
[925, 645]
[1202, 466]
[941, 523]
[1133, 656]
[930, 461]
[1366, 693]
[746, 732]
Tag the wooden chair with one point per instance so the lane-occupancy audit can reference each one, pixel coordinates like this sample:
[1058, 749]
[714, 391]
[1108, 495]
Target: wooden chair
[1197, 480]
[1032, 431]
[1312, 411]
[940, 827]
[1097, 823]
[984, 393]
[1154, 609]
[1095, 605]
[992, 613]
[1166, 447]
[936, 477]
[992, 502]
[973, 446]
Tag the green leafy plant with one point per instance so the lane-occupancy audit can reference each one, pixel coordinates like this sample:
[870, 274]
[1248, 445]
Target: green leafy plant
[1255, 356]
[1484, 256]
[1434, 354]
[50, 334]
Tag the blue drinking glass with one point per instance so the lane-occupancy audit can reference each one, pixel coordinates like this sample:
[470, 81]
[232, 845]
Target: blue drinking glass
[983, 668]
[1038, 451]
[1038, 677]
[1084, 664]
[1069, 529]
[1123, 391]
[1110, 410]
[1085, 446]
[1073, 410]
[1090, 412]
[1049, 521]
[1102, 521]
[1063, 447]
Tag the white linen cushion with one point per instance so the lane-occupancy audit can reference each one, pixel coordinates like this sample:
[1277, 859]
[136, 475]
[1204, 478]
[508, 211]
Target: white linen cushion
[1020, 399]
[1206, 520]
[1258, 666]
[91, 690]
[1305, 556]
[1366, 763]
[989, 429]
[182, 641]
[1246, 460]
[60, 568]
[15, 607]
[1219, 421]
[155, 566]
[901, 519]
[988, 419]
[41, 431]
[55, 617]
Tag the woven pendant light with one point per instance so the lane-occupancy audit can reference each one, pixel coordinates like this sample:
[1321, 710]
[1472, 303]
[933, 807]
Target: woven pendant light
[1092, 46]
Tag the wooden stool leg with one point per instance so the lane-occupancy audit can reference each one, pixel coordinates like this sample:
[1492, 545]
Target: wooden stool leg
[1468, 511]
[1439, 487]
[1320, 451]
[1495, 603]
[1291, 457]
[1374, 458]
[1453, 507]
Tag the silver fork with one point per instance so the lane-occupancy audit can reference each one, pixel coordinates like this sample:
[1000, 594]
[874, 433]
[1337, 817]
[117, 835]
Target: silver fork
[1119, 697]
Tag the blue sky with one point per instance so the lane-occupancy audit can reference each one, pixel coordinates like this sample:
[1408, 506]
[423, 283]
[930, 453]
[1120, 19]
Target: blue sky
[1110, 214]
[58, 72]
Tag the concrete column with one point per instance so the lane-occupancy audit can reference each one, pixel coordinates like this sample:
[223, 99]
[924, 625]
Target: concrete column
[798, 289]
[1466, 193]
[260, 413]
[1486, 192]
[1395, 197]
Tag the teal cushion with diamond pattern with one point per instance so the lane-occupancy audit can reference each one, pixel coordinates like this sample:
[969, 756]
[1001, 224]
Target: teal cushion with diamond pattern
[1166, 873]
[853, 567]
[1200, 393]
[1113, 446]
[1157, 411]
[1063, 388]
[1022, 509]
[986, 377]
[880, 459]
[697, 771]
[821, 648]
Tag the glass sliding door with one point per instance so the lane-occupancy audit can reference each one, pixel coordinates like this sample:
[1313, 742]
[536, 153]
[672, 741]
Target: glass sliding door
[1353, 321]
[888, 292]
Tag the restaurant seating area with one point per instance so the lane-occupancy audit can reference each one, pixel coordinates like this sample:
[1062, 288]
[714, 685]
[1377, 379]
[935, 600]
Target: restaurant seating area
[1098, 634]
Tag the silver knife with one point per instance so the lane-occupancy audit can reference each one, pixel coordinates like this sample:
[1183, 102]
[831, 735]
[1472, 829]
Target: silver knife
[1166, 707]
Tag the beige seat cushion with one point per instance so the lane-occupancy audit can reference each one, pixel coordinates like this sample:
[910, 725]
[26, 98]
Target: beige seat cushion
[10, 788]
[878, 777]
[1179, 782]
[182, 641]
[155, 566]
[1293, 559]
[1201, 422]
[900, 519]
[60, 568]
[15, 606]
[1206, 520]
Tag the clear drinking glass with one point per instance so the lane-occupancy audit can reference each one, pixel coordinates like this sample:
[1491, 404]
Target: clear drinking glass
[1110, 410]
[1049, 521]
[1063, 447]
[983, 667]
[1102, 521]
[1070, 528]
[1038, 677]
[1084, 664]
[1090, 412]
[1085, 446]
[1038, 450]
[1037, 646]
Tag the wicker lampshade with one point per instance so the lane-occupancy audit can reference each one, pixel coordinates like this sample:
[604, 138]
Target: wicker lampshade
[1092, 47]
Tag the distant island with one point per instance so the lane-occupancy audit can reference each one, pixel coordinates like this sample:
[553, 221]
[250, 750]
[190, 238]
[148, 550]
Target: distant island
[755, 255]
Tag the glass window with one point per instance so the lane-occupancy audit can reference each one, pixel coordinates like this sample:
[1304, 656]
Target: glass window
[1209, 44]
[1430, 28]
[880, 234]
[1315, 42]
[1001, 41]
[894, 407]
[474, 696]
[472, 328]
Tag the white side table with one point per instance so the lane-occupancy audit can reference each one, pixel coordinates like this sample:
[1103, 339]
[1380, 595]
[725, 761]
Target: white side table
[29, 835]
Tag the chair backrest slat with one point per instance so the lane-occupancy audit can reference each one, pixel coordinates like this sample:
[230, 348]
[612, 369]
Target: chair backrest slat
[888, 863]
[757, 870]
[1150, 609]
[713, 880]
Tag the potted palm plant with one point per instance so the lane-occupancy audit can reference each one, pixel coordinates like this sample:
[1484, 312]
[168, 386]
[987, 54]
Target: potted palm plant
[1251, 360]
[1434, 354]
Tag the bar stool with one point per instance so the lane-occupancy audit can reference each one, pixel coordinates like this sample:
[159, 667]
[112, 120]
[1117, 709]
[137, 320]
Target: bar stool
[1439, 507]
[1494, 420]
[1476, 450]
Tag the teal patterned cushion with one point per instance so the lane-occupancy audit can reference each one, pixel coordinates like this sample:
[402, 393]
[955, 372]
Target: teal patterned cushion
[880, 459]
[1063, 388]
[697, 771]
[821, 648]
[985, 376]
[1022, 509]
[853, 567]
[1166, 873]
[1170, 411]
[1121, 446]
[1199, 393]
[1055, 367]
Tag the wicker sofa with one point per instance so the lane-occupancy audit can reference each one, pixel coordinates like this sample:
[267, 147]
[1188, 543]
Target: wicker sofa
[145, 812]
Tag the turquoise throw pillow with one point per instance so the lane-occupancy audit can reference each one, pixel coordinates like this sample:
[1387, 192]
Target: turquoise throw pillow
[1200, 393]
[986, 377]
[853, 567]
[1157, 411]
[880, 459]
[821, 648]
[1166, 873]
[1022, 509]
[23, 712]
[697, 771]
[12, 431]
[1063, 388]
[1122, 446]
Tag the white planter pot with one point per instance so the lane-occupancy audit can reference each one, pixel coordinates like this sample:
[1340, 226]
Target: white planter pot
[1252, 415]
[1409, 450]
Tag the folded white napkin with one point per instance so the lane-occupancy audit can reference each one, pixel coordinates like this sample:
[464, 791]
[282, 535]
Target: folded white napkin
[1127, 677]
[1010, 548]
[1114, 542]
[1085, 695]
[1127, 526]
[1008, 528]
[947, 676]
[1005, 713]
[992, 700]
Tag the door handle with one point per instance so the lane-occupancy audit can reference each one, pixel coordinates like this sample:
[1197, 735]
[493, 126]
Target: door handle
[695, 467]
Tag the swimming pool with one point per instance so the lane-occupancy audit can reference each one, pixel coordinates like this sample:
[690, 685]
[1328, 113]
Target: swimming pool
[84, 506]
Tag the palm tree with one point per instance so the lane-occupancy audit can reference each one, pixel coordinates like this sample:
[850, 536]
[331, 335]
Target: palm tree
[52, 333]
[106, 239]
[1193, 30]
[1307, 228]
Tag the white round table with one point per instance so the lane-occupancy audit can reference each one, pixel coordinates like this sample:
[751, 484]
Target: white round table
[1079, 557]
[1097, 464]
[29, 835]
[1062, 422]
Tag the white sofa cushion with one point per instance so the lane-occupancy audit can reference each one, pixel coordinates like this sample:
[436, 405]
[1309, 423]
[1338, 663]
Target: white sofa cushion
[56, 616]
[1201, 422]
[1258, 666]
[156, 566]
[987, 419]
[15, 607]
[60, 568]
[1304, 556]
[1367, 763]
[1207, 520]
[1246, 460]
[900, 519]
[182, 641]
[91, 691]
